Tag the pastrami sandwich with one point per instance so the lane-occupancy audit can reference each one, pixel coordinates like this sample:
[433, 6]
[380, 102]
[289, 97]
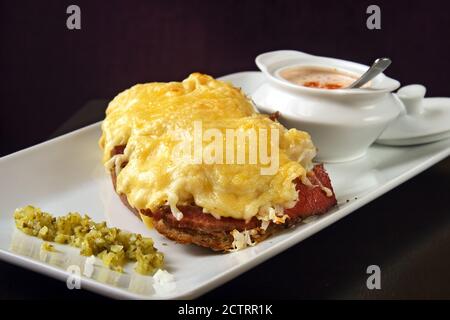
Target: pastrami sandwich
[195, 160]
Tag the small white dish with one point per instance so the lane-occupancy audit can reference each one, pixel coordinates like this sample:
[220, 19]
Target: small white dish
[422, 120]
[343, 123]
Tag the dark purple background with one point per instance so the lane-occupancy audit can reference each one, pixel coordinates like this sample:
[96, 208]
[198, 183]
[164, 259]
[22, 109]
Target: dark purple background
[47, 72]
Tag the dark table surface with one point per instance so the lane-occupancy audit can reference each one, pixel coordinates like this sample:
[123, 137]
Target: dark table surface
[406, 232]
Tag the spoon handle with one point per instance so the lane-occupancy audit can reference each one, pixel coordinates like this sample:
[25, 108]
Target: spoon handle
[377, 67]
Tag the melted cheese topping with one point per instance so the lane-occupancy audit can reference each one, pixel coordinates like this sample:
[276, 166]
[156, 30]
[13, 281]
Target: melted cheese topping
[151, 120]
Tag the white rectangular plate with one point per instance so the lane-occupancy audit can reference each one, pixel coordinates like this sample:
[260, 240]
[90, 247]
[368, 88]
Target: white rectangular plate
[65, 174]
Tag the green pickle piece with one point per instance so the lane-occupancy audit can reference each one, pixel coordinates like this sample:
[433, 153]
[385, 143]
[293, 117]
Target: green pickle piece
[113, 246]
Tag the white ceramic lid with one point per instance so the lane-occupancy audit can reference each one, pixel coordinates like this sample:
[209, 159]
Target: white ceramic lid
[423, 120]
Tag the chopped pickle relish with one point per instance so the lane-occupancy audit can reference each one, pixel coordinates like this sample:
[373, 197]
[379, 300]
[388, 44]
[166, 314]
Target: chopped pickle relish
[114, 246]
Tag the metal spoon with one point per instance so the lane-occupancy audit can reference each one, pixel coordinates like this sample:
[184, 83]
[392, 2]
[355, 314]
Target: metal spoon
[377, 67]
